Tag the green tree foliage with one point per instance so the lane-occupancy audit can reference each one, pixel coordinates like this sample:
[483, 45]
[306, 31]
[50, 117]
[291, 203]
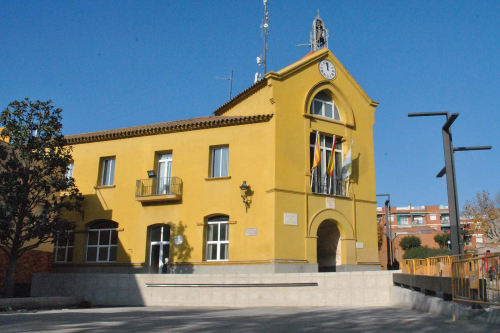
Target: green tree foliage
[424, 252]
[409, 242]
[442, 239]
[35, 194]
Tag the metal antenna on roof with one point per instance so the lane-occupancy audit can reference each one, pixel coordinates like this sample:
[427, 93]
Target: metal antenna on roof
[230, 79]
[265, 31]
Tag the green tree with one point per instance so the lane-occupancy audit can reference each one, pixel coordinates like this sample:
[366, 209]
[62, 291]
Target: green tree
[36, 196]
[442, 240]
[409, 242]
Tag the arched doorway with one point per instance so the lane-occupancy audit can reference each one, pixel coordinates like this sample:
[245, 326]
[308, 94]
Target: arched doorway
[328, 246]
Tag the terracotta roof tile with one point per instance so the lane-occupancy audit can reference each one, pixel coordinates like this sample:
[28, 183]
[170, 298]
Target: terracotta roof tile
[167, 127]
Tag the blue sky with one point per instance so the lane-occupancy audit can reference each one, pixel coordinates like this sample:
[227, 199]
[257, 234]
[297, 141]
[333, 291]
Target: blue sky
[112, 64]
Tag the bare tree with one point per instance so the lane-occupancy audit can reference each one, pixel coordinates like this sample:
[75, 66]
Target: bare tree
[485, 214]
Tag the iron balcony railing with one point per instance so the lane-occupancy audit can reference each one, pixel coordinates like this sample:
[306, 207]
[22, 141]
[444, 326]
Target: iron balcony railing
[158, 186]
[327, 185]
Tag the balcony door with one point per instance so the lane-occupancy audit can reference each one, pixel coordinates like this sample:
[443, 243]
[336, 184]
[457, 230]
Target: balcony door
[159, 249]
[164, 173]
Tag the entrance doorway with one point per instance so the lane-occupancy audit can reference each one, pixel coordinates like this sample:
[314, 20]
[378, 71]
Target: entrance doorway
[328, 246]
[159, 249]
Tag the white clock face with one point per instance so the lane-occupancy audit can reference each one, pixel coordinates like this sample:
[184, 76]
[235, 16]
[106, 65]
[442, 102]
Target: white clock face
[327, 69]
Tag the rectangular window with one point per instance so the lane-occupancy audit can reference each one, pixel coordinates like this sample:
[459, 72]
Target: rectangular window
[322, 182]
[164, 174]
[63, 250]
[445, 219]
[404, 219]
[102, 244]
[217, 239]
[108, 172]
[69, 170]
[220, 162]
[418, 220]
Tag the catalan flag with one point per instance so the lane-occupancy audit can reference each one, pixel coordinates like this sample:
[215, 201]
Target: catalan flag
[331, 164]
[317, 153]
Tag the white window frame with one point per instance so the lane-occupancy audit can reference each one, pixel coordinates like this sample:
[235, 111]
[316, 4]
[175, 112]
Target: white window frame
[218, 242]
[407, 217]
[332, 103]
[163, 183]
[162, 243]
[109, 245]
[107, 180]
[69, 170]
[218, 151]
[325, 153]
[65, 248]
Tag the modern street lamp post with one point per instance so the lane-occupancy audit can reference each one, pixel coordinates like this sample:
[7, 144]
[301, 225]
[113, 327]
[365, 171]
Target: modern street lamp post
[449, 170]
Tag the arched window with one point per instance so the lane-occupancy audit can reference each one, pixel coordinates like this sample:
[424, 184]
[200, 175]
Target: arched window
[323, 105]
[218, 238]
[102, 241]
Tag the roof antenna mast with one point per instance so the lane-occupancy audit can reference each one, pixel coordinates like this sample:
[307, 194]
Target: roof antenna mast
[230, 79]
[262, 61]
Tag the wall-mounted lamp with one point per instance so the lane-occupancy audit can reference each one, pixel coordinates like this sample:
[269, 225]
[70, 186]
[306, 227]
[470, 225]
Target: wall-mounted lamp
[151, 174]
[244, 189]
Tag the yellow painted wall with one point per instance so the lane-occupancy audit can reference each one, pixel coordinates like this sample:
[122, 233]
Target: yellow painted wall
[249, 159]
[273, 157]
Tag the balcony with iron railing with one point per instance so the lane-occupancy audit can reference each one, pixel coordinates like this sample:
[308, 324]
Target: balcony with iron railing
[158, 189]
[327, 185]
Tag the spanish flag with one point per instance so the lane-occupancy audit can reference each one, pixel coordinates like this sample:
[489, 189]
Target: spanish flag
[317, 152]
[331, 164]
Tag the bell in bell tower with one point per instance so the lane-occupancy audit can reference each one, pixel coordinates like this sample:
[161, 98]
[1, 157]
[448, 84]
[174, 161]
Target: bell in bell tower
[319, 35]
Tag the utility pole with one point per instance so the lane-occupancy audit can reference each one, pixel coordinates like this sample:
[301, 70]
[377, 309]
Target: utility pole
[449, 170]
[388, 230]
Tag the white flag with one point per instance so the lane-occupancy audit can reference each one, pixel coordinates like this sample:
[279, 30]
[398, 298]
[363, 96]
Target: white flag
[347, 165]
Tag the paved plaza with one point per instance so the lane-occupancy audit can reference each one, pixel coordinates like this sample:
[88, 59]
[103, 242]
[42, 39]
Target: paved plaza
[275, 319]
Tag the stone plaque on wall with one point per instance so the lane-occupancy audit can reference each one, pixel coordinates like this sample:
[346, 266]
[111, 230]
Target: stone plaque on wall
[360, 245]
[291, 219]
[330, 203]
[433, 217]
[251, 232]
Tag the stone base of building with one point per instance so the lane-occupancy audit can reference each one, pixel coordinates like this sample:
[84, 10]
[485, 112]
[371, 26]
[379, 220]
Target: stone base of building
[268, 268]
[244, 269]
[220, 290]
[357, 268]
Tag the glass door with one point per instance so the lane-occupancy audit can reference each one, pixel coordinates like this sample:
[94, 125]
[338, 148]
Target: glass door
[159, 249]
[164, 173]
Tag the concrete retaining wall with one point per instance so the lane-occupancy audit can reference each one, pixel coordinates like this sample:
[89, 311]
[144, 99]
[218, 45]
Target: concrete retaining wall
[38, 302]
[333, 289]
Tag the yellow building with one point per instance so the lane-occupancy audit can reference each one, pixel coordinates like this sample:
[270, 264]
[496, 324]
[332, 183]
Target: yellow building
[167, 197]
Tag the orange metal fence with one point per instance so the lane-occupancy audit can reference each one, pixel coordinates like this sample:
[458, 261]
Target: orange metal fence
[476, 280]
[434, 266]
